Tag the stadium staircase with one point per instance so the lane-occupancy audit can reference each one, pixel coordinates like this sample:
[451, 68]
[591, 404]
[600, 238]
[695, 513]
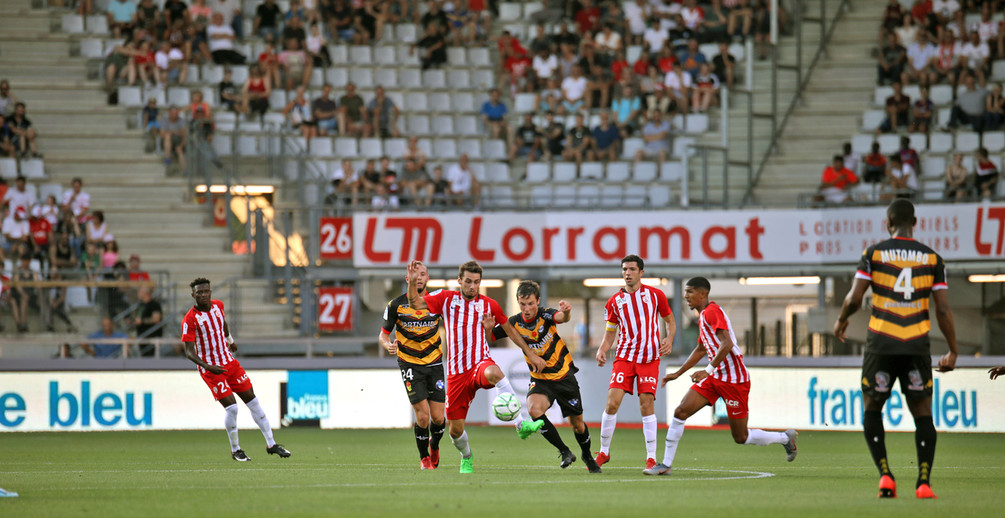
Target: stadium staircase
[150, 213]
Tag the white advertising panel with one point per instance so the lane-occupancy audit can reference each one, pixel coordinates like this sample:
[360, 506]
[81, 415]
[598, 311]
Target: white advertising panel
[964, 400]
[960, 231]
[131, 400]
[372, 398]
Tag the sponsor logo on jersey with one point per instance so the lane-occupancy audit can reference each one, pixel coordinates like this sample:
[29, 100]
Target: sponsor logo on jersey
[408, 386]
[647, 379]
[732, 403]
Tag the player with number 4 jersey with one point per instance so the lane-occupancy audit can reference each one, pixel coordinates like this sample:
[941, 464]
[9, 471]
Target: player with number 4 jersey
[416, 343]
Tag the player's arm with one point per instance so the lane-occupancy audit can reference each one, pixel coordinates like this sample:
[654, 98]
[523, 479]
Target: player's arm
[666, 343]
[537, 364]
[610, 333]
[564, 312]
[414, 300]
[947, 325]
[725, 345]
[385, 341]
[194, 358]
[691, 361]
[384, 336]
[852, 302]
[230, 338]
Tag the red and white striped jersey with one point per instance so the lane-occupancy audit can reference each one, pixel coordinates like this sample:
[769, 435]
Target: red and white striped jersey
[462, 318]
[637, 316]
[732, 369]
[205, 328]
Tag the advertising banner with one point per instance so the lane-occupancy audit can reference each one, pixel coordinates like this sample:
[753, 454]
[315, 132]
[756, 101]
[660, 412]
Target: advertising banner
[307, 395]
[957, 232]
[964, 400]
[131, 400]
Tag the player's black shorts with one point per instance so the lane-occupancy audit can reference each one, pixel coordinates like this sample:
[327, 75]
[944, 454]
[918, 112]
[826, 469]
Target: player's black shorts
[423, 382]
[565, 391]
[879, 371]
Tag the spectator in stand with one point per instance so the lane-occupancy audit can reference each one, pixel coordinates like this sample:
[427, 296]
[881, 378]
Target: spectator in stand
[171, 66]
[40, 239]
[924, 109]
[295, 65]
[705, 91]
[550, 98]
[69, 227]
[63, 257]
[875, 165]
[994, 109]
[136, 273]
[232, 15]
[76, 199]
[990, 32]
[386, 196]
[517, 73]
[545, 67]
[440, 187]
[494, 115]
[227, 91]
[608, 43]
[221, 42]
[97, 229]
[370, 179]
[636, 14]
[383, 115]
[921, 57]
[20, 296]
[199, 14]
[852, 160]
[463, 184]
[109, 253]
[57, 295]
[898, 111]
[621, 70]
[341, 23]
[970, 106]
[724, 65]
[317, 47]
[606, 139]
[6, 146]
[463, 24]
[587, 18]
[566, 60]
[909, 155]
[173, 132]
[434, 16]
[892, 59]
[655, 37]
[268, 60]
[99, 349]
[147, 319]
[7, 99]
[267, 16]
[49, 209]
[554, 136]
[23, 133]
[907, 30]
[741, 17]
[947, 62]
[255, 93]
[353, 119]
[553, 12]
[16, 232]
[416, 185]
[579, 142]
[414, 152]
[121, 18]
[325, 112]
[540, 41]
[119, 64]
[175, 11]
[665, 60]
[985, 174]
[598, 78]
[299, 114]
[692, 59]
[527, 140]
[626, 107]
[956, 179]
[678, 85]
[574, 90]
[145, 62]
[892, 16]
[19, 197]
[836, 181]
[975, 58]
[902, 182]
[344, 180]
[656, 134]
[433, 48]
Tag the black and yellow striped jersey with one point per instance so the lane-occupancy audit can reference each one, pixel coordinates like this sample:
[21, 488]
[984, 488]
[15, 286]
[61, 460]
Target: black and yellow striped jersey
[417, 332]
[541, 335]
[903, 273]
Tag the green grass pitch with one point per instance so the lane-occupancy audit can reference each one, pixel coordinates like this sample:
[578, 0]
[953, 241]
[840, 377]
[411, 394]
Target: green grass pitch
[376, 473]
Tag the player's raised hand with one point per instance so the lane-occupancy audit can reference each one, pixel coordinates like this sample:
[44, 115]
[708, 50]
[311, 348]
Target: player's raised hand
[947, 362]
[537, 363]
[840, 327]
[564, 306]
[996, 371]
[601, 357]
[412, 270]
[669, 377]
[488, 321]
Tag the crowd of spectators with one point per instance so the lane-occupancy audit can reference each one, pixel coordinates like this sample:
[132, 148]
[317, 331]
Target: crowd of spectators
[58, 238]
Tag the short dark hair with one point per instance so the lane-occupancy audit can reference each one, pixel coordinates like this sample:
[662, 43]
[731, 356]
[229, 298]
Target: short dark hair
[900, 213]
[699, 283]
[528, 288]
[470, 266]
[198, 281]
[634, 259]
[837, 158]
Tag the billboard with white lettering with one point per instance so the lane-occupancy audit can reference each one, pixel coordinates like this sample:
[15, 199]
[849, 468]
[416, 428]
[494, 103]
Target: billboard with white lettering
[964, 400]
[960, 231]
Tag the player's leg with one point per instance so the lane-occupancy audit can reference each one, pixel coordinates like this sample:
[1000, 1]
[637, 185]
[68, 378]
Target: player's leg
[538, 403]
[692, 401]
[735, 397]
[229, 404]
[460, 391]
[242, 385]
[917, 388]
[646, 375]
[876, 384]
[582, 433]
[609, 421]
[421, 429]
[416, 386]
[437, 425]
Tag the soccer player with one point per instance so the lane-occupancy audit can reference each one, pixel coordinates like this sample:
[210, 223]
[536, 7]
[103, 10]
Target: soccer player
[557, 381]
[632, 316]
[725, 377]
[903, 274]
[469, 366]
[417, 344]
[209, 344]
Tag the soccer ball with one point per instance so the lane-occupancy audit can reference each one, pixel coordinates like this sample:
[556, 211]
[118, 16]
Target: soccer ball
[506, 406]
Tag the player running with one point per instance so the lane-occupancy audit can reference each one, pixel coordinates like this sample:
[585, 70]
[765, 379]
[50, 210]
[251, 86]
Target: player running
[903, 274]
[557, 381]
[209, 344]
[469, 366]
[631, 316]
[417, 346]
[725, 377]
